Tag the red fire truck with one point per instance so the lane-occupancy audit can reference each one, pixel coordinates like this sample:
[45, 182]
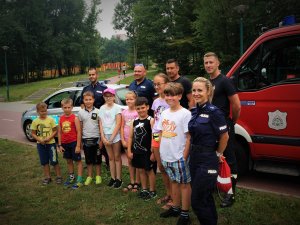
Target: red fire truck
[267, 78]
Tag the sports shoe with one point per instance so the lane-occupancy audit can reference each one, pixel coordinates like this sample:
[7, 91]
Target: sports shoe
[46, 181]
[228, 201]
[118, 183]
[170, 213]
[143, 193]
[77, 185]
[111, 182]
[151, 195]
[183, 220]
[98, 180]
[88, 181]
[69, 181]
[58, 180]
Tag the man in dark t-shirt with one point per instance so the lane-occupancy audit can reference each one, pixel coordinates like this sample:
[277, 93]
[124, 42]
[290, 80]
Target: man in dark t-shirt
[172, 70]
[225, 96]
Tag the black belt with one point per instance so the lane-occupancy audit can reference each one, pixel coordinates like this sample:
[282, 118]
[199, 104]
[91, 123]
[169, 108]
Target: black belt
[201, 148]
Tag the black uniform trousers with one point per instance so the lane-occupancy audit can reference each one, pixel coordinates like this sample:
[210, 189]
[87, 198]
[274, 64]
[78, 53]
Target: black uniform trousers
[229, 152]
[204, 171]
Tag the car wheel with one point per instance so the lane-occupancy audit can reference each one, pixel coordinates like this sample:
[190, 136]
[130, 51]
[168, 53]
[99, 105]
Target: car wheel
[27, 130]
[242, 158]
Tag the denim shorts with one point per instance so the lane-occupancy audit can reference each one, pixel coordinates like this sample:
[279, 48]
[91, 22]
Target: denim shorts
[116, 139]
[47, 154]
[178, 171]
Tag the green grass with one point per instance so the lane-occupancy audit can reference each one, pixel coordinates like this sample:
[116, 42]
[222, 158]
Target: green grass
[23, 200]
[21, 91]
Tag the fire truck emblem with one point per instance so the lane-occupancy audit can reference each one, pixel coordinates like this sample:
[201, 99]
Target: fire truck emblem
[277, 120]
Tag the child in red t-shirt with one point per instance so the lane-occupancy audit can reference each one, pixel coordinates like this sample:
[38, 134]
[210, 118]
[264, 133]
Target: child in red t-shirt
[69, 140]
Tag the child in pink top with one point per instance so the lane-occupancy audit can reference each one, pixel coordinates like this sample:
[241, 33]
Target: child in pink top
[128, 115]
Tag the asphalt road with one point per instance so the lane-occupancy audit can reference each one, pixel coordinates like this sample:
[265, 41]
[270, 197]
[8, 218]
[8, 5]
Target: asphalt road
[10, 128]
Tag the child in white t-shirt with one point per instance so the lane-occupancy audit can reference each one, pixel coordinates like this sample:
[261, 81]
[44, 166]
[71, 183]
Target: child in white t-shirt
[174, 151]
[110, 124]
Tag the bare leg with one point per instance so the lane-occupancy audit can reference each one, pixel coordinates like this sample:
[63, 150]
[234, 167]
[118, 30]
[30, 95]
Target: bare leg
[116, 148]
[112, 164]
[186, 196]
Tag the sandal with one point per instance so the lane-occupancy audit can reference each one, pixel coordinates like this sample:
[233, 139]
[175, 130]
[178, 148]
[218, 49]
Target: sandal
[136, 187]
[129, 187]
[164, 199]
[168, 205]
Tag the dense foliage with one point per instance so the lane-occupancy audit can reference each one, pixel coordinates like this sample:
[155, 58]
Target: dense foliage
[185, 29]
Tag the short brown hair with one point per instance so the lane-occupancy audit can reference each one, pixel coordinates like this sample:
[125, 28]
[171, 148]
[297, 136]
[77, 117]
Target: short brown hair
[173, 89]
[41, 105]
[172, 61]
[88, 93]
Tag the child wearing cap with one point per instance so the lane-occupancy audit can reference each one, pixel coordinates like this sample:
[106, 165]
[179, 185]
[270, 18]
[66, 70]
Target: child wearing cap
[110, 124]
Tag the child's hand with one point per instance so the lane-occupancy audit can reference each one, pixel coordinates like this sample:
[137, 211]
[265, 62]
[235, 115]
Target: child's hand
[130, 155]
[124, 143]
[152, 157]
[106, 142]
[42, 141]
[77, 149]
[100, 144]
[61, 149]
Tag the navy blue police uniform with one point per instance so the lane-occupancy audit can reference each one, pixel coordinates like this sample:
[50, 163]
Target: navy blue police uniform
[97, 90]
[144, 89]
[206, 126]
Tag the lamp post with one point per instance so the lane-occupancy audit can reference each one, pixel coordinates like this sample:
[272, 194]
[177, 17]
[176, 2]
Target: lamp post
[88, 50]
[5, 48]
[241, 9]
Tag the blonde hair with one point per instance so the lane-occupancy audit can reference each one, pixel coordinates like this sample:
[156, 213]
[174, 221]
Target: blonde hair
[131, 93]
[41, 105]
[208, 85]
[209, 54]
[67, 101]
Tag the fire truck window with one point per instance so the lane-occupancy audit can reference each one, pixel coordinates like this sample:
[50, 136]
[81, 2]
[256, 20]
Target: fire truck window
[281, 60]
[248, 73]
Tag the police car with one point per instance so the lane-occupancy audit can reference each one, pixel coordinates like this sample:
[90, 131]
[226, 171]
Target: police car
[54, 105]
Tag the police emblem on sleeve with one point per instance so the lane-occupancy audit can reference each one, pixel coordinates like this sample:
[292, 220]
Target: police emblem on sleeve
[277, 120]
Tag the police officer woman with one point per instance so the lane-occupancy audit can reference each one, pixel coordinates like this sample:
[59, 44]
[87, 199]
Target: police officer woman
[209, 138]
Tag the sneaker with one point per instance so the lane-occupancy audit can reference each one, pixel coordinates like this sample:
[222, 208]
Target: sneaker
[77, 185]
[46, 181]
[184, 220]
[98, 180]
[143, 193]
[88, 181]
[111, 182]
[118, 183]
[170, 213]
[151, 195]
[58, 180]
[228, 201]
[69, 181]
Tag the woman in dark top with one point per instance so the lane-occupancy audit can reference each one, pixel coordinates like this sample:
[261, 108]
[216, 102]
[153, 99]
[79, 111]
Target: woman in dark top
[209, 138]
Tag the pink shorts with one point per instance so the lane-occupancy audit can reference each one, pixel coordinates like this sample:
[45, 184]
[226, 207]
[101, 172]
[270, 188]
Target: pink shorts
[155, 140]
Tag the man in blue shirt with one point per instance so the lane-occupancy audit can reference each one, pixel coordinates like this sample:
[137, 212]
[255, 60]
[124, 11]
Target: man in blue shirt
[142, 86]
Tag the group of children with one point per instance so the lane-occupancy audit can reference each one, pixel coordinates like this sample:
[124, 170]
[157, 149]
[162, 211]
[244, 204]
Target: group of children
[149, 143]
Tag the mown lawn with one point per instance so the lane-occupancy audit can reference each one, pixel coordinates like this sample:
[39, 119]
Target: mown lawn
[21, 91]
[23, 200]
